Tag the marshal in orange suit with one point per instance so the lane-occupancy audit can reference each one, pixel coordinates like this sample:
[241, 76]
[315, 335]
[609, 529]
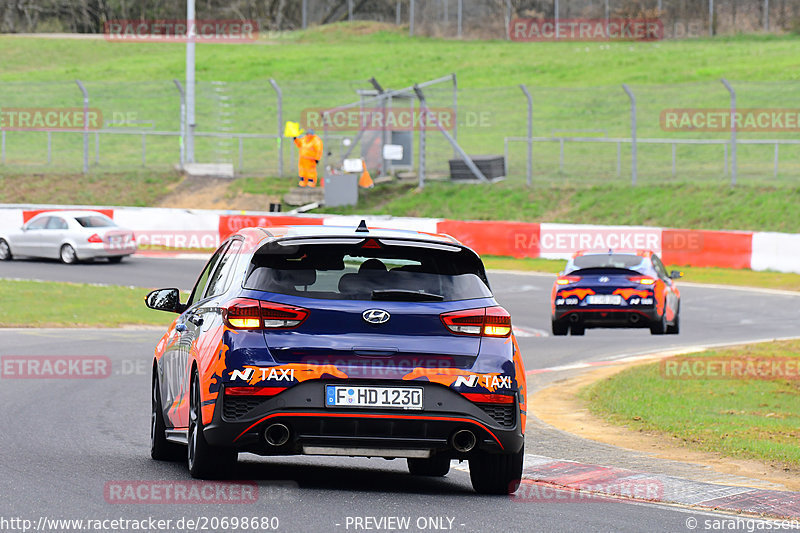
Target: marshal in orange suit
[310, 147]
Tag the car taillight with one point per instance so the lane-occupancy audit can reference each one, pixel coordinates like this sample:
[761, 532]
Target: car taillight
[253, 391]
[566, 280]
[483, 321]
[642, 280]
[488, 398]
[243, 313]
[95, 238]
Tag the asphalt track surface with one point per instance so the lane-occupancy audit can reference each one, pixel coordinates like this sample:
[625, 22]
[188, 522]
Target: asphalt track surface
[65, 441]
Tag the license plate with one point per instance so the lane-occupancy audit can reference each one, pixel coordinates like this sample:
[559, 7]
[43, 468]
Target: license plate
[374, 397]
[604, 299]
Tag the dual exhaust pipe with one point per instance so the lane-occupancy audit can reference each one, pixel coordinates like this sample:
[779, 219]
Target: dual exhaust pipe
[462, 441]
[277, 435]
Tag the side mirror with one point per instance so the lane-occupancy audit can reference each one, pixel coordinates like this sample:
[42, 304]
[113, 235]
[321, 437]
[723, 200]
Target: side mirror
[165, 300]
[675, 274]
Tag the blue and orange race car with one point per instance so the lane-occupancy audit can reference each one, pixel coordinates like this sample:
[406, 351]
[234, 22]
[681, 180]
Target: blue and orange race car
[615, 290]
[341, 341]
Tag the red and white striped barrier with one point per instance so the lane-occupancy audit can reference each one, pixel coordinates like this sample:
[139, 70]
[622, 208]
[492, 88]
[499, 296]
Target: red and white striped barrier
[197, 228]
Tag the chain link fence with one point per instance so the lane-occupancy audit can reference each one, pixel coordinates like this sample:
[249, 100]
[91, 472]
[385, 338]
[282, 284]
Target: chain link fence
[577, 134]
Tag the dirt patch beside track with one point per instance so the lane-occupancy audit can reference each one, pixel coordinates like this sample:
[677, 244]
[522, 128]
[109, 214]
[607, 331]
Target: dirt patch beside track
[559, 406]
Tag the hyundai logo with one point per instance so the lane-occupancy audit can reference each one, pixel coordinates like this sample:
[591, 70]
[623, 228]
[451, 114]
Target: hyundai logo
[603, 279]
[375, 316]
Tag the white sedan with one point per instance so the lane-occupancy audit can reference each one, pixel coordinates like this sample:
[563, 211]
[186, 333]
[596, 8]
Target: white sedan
[70, 236]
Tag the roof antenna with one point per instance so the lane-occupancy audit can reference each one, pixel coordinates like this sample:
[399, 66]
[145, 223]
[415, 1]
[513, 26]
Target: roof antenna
[362, 227]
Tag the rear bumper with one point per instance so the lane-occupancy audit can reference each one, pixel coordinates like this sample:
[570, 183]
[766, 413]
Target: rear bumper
[607, 317]
[311, 424]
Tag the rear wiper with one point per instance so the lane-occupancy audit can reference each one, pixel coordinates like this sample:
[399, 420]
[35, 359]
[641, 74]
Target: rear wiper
[403, 295]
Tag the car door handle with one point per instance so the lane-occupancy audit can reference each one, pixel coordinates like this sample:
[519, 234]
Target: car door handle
[181, 328]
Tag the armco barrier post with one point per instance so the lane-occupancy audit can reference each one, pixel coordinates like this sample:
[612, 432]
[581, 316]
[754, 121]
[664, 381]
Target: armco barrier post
[633, 132]
[530, 132]
[733, 129]
[85, 126]
[280, 125]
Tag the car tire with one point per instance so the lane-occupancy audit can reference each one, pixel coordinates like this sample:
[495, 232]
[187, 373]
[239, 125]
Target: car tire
[659, 327]
[204, 461]
[67, 255]
[116, 259]
[499, 473]
[675, 328]
[436, 466]
[560, 328]
[5, 251]
[160, 448]
[577, 330]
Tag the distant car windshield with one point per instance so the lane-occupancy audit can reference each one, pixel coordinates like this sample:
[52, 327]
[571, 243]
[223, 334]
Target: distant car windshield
[95, 221]
[368, 270]
[627, 261]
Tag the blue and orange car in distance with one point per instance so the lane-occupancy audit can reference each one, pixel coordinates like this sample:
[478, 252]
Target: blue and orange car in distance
[615, 289]
[341, 341]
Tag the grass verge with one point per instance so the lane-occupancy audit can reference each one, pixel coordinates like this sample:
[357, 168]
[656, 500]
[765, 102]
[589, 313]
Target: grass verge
[682, 205]
[744, 418]
[75, 305]
[140, 188]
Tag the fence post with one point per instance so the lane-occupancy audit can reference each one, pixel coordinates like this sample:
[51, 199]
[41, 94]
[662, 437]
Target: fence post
[766, 15]
[182, 96]
[85, 126]
[633, 133]
[775, 171]
[422, 150]
[191, 85]
[460, 17]
[397, 14]
[555, 17]
[349, 10]
[733, 129]
[508, 20]
[530, 131]
[455, 110]
[411, 19]
[279, 92]
[304, 8]
[711, 17]
[673, 160]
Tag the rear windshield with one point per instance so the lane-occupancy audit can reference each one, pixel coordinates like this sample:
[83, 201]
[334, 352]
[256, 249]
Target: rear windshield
[95, 221]
[627, 261]
[350, 271]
